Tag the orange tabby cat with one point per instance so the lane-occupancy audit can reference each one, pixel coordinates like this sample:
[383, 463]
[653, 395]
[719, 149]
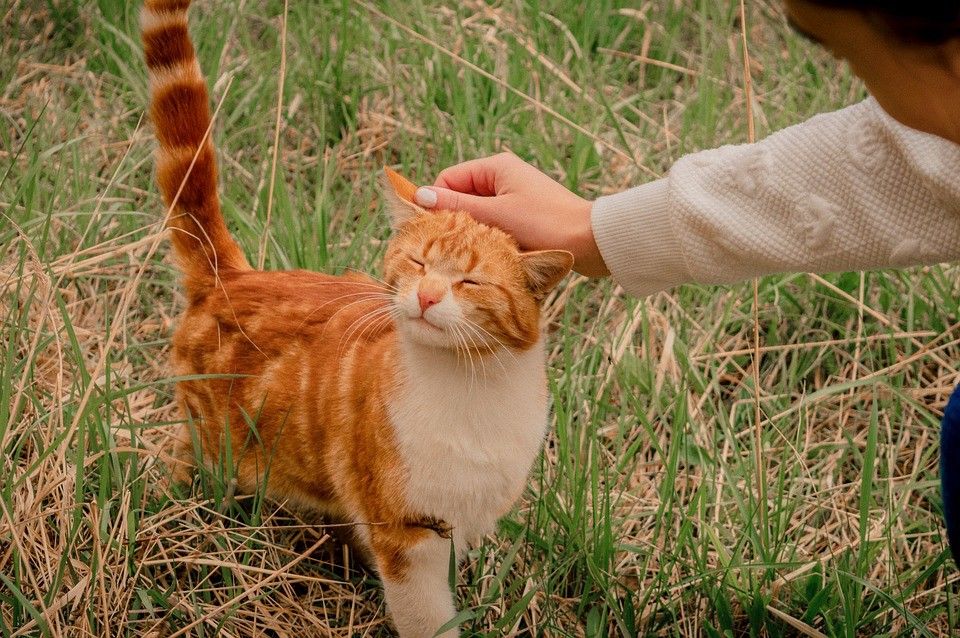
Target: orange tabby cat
[414, 407]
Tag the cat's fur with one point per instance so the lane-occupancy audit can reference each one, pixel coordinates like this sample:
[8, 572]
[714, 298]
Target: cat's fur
[413, 407]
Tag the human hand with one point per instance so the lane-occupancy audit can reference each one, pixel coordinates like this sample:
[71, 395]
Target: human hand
[506, 192]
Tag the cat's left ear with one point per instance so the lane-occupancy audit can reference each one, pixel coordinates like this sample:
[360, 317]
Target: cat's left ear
[398, 191]
[544, 269]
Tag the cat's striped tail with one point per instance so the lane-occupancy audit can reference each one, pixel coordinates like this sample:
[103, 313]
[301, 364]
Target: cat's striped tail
[186, 165]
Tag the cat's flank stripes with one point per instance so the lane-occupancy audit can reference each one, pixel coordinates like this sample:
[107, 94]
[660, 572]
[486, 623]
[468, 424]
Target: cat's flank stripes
[186, 165]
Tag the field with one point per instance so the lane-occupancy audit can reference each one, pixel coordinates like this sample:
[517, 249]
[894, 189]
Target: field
[721, 461]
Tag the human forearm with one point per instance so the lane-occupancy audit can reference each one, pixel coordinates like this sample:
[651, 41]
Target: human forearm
[845, 191]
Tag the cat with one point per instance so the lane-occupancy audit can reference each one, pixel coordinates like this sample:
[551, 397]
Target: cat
[413, 407]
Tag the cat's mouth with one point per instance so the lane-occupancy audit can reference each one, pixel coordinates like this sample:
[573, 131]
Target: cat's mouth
[425, 323]
[423, 331]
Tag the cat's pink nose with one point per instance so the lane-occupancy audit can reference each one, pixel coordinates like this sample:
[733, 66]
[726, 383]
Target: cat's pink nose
[427, 299]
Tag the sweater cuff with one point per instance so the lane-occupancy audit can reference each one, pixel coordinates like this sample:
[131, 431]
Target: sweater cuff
[637, 240]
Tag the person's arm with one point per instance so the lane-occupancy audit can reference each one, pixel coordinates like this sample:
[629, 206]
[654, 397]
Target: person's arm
[849, 190]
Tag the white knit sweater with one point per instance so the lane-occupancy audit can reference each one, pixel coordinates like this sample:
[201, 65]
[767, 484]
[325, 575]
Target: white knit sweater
[849, 190]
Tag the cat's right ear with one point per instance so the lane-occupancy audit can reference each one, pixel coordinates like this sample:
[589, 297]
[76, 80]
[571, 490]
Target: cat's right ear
[545, 269]
[398, 192]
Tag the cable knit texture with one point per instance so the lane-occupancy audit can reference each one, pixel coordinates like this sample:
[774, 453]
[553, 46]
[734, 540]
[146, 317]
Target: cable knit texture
[849, 190]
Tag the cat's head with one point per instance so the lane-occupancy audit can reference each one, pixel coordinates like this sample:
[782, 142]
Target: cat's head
[458, 283]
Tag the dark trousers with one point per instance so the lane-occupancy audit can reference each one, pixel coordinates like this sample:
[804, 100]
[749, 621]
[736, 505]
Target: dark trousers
[950, 471]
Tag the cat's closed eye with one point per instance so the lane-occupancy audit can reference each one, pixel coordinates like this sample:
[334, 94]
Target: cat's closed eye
[415, 262]
[471, 282]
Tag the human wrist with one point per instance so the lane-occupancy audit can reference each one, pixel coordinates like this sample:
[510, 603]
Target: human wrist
[587, 258]
[634, 232]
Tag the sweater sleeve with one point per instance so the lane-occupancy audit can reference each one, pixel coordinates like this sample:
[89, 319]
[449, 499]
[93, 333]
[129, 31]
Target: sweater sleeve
[848, 190]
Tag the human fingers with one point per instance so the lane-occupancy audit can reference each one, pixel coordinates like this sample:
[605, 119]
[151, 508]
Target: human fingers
[483, 176]
[487, 210]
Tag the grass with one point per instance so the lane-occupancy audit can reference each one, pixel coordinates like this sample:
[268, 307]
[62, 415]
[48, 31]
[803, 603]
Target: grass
[659, 507]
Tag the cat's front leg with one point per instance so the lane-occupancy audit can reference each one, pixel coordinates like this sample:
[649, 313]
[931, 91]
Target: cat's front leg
[183, 457]
[414, 564]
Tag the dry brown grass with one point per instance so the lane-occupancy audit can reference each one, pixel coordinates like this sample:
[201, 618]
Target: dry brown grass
[644, 514]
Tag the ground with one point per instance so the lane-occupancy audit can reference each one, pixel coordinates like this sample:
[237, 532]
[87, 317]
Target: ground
[721, 461]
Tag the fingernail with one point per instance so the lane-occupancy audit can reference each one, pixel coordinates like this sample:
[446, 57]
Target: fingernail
[425, 197]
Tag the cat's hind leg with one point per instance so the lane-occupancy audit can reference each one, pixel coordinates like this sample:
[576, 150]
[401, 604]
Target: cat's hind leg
[414, 564]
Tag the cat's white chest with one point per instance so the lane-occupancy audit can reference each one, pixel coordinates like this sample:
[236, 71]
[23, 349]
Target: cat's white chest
[468, 441]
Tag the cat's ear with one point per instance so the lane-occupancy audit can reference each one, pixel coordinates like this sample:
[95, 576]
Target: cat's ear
[398, 192]
[544, 269]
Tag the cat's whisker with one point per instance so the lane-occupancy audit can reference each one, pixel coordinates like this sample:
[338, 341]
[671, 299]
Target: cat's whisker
[473, 329]
[376, 323]
[330, 320]
[368, 295]
[473, 366]
[481, 333]
[384, 284]
[345, 342]
[360, 322]
[457, 345]
[361, 317]
[363, 321]
[339, 282]
[468, 358]
[364, 294]
[474, 325]
[376, 318]
[383, 321]
[483, 363]
[456, 349]
[354, 325]
[493, 353]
